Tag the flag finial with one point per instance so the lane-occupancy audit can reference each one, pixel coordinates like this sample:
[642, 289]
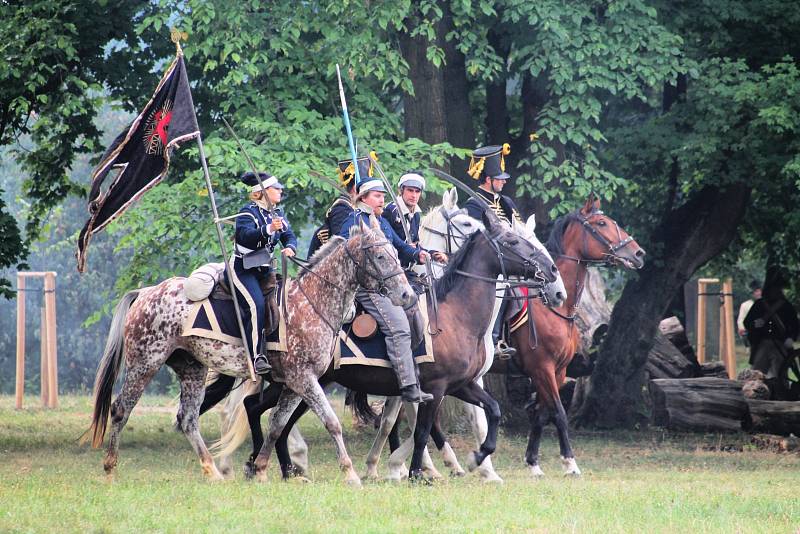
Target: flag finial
[176, 36]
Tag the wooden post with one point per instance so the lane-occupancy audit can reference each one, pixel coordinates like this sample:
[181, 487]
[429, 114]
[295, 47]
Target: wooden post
[730, 350]
[44, 359]
[702, 288]
[20, 385]
[52, 355]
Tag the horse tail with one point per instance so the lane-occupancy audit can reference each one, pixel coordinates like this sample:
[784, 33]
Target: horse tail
[108, 370]
[362, 410]
[235, 426]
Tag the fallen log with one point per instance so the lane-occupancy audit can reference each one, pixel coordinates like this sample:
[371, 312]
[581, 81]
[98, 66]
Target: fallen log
[715, 369]
[775, 417]
[701, 404]
[665, 361]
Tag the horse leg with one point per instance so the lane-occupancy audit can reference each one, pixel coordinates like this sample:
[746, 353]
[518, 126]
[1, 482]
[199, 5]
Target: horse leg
[397, 467]
[192, 376]
[288, 469]
[422, 431]
[562, 426]
[474, 394]
[314, 396]
[394, 437]
[140, 370]
[216, 391]
[287, 403]
[538, 417]
[255, 405]
[391, 409]
[448, 454]
[480, 428]
[298, 451]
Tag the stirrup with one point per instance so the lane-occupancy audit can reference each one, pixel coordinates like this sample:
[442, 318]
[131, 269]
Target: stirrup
[261, 365]
[503, 351]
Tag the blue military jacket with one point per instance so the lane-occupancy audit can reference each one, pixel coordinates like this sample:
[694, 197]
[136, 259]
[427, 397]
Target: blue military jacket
[502, 205]
[406, 252]
[253, 232]
[394, 215]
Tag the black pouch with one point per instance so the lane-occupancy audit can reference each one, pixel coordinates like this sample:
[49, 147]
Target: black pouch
[257, 258]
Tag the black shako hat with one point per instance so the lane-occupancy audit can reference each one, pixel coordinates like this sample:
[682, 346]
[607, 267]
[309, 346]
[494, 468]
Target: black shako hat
[489, 161]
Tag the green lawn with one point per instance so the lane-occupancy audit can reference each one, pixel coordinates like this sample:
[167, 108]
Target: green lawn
[633, 482]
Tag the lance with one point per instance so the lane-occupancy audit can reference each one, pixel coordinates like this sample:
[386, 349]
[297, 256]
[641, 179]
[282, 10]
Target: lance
[228, 274]
[346, 117]
[252, 167]
[388, 187]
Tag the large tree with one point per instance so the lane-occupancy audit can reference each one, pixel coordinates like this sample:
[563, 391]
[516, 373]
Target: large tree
[716, 165]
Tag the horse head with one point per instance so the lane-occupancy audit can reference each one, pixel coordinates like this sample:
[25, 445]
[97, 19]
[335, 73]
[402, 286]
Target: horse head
[596, 237]
[377, 265]
[554, 293]
[517, 255]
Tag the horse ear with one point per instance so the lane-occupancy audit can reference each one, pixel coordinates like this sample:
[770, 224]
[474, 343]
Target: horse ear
[373, 222]
[450, 198]
[530, 224]
[592, 204]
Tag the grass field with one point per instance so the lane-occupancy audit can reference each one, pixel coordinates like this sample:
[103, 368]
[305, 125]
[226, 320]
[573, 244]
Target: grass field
[633, 482]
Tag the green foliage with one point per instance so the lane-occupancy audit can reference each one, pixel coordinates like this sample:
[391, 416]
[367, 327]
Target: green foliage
[53, 70]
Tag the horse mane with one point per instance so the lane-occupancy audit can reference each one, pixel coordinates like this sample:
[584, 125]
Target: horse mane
[555, 241]
[323, 252]
[448, 280]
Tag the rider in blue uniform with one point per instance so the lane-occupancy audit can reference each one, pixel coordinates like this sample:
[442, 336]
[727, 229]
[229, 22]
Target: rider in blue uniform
[260, 226]
[392, 320]
[342, 207]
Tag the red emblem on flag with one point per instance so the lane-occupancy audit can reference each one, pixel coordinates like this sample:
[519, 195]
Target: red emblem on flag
[157, 128]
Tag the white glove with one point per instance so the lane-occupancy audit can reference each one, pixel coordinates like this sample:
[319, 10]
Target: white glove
[788, 343]
[758, 323]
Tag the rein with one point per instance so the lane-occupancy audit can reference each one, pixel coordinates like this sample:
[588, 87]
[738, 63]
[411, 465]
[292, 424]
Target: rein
[360, 269]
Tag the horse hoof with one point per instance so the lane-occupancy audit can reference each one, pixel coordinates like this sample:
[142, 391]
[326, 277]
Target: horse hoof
[418, 477]
[536, 471]
[433, 474]
[570, 467]
[472, 461]
[249, 470]
[353, 481]
[457, 473]
[491, 477]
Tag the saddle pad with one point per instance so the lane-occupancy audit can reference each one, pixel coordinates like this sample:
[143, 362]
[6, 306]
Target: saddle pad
[515, 322]
[350, 350]
[216, 319]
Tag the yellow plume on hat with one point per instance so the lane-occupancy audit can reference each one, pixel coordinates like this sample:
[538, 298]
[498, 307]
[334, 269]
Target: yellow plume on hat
[475, 167]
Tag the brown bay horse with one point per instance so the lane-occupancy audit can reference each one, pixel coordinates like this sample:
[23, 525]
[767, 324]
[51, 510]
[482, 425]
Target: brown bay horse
[579, 239]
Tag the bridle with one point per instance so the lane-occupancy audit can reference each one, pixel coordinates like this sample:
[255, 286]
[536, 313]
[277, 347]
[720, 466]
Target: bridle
[362, 274]
[449, 235]
[610, 257]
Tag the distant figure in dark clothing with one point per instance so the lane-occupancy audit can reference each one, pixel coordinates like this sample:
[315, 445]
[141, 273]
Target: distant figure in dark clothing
[772, 327]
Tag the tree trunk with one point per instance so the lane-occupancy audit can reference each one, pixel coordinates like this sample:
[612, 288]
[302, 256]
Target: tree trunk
[439, 110]
[699, 404]
[687, 238]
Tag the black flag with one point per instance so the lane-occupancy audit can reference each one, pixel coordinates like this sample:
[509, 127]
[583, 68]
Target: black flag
[141, 153]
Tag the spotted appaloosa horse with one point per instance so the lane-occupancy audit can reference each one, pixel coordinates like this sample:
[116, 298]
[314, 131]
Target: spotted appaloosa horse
[147, 326]
[582, 238]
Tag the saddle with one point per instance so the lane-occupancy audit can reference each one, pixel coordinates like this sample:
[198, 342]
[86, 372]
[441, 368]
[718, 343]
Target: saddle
[269, 289]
